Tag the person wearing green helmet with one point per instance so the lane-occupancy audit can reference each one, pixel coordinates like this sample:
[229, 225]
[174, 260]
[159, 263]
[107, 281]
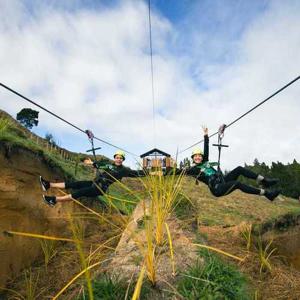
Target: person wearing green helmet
[110, 173]
[220, 185]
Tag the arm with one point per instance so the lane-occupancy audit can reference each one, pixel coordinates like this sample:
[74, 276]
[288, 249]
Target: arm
[206, 144]
[134, 173]
[193, 171]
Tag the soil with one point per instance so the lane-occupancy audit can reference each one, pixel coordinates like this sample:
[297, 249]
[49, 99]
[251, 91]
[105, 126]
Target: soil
[22, 209]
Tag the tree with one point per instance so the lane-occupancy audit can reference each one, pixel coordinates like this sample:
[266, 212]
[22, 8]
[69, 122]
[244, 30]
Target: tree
[28, 117]
[50, 138]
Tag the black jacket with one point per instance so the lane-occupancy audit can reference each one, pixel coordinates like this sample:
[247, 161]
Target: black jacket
[112, 173]
[195, 170]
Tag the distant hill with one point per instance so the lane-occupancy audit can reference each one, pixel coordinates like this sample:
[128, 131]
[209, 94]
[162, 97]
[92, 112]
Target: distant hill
[21, 131]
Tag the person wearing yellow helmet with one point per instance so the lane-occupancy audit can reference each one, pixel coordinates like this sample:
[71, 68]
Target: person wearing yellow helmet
[221, 185]
[119, 157]
[109, 173]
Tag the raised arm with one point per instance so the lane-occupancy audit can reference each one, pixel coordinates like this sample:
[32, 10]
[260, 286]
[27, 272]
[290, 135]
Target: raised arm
[206, 144]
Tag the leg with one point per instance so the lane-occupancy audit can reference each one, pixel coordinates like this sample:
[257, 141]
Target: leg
[226, 188]
[78, 184]
[90, 191]
[58, 185]
[234, 174]
[71, 184]
[63, 185]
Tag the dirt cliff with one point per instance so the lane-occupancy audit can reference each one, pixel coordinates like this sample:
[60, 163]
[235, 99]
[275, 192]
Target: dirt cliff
[22, 208]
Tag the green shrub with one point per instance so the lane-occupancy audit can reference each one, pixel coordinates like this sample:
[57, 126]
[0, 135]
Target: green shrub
[212, 280]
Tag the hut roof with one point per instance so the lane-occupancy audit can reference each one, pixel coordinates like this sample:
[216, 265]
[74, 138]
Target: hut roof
[155, 152]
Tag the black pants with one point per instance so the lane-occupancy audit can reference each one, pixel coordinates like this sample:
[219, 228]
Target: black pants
[84, 188]
[231, 184]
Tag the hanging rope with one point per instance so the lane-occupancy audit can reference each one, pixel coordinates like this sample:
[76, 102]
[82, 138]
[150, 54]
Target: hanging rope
[64, 120]
[246, 113]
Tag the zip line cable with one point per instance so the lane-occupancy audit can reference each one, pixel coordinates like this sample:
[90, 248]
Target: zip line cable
[62, 119]
[152, 77]
[246, 113]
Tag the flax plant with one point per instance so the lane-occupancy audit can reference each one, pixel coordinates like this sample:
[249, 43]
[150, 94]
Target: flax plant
[246, 233]
[31, 291]
[264, 255]
[150, 259]
[138, 286]
[163, 191]
[48, 247]
[78, 235]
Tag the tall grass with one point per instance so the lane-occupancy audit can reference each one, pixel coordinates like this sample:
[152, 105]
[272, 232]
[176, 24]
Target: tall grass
[4, 125]
[265, 252]
[163, 192]
[31, 290]
[212, 279]
[246, 233]
[48, 248]
[77, 229]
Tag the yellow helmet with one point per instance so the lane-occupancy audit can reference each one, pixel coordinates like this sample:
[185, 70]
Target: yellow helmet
[121, 153]
[196, 151]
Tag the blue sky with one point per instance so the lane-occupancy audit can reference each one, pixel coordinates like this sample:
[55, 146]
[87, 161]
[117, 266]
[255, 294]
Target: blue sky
[89, 62]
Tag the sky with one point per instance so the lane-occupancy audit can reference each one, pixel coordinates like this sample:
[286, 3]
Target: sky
[89, 62]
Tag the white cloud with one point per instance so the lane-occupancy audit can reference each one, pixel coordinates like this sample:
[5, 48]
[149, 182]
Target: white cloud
[93, 68]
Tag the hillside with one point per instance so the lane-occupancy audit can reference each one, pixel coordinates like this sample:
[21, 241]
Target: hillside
[240, 224]
[23, 157]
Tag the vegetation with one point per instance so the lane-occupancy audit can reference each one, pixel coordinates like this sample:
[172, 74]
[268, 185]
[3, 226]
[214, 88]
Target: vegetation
[28, 117]
[96, 234]
[289, 175]
[212, 279]
[108, 287]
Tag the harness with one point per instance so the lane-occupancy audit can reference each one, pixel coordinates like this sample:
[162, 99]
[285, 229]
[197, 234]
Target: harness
[206, 168]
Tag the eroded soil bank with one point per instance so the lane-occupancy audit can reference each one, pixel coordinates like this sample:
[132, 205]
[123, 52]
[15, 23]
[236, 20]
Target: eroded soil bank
[22, 209]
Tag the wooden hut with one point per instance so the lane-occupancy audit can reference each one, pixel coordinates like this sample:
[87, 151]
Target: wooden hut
[156, 158]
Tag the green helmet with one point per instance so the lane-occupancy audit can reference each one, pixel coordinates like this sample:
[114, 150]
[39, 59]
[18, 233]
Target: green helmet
[196, 151]
[121, 153]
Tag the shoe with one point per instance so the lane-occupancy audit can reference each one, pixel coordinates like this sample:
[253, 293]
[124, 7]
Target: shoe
[271, 195]
[44, 183]
[50, 200]
[267, 182]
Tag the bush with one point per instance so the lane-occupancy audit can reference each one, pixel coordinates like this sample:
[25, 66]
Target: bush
[212, 279]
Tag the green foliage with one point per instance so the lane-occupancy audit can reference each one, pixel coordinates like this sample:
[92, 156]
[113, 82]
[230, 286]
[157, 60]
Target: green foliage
[4, 125]
[113, 288]
[289, 175]
[186, 163]
[50, 138]
[212, 279]
[184, 208]
[28, 117]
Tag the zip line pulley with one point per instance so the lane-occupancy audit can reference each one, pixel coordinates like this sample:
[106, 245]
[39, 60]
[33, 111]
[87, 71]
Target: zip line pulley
[220, 145]
[91, 139]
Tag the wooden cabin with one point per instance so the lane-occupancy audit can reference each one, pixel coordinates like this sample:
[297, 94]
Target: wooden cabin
[156, 158]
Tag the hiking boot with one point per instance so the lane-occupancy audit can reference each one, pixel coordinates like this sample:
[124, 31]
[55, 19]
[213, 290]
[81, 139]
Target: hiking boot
[44, 183]
[267, 182]
[50, 200]
[271, 195]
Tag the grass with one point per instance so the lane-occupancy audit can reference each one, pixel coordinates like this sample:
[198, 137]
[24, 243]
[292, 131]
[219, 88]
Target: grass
[108, 287]
[265, 252]
[237, 207]
[246, 233]
[49, 250]
[14, 136]
[212, 279]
